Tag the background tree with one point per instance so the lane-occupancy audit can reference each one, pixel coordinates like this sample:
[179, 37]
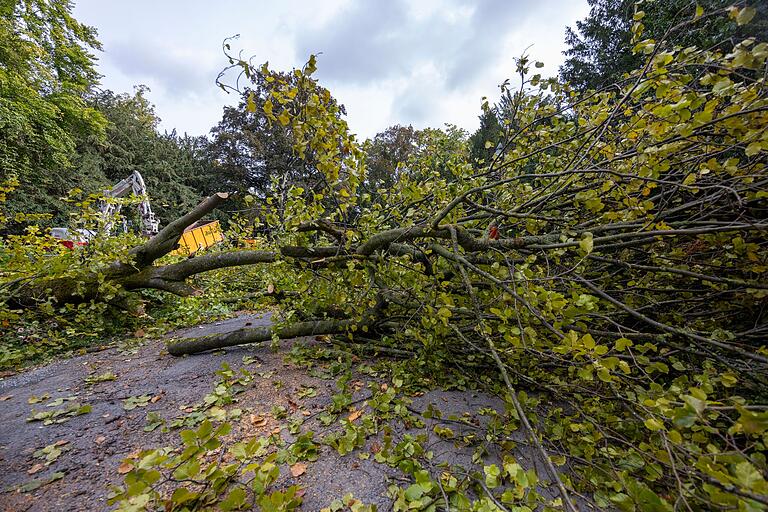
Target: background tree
[175, 169]
[386, 152]
[255, 154]
[47, 69]
[483, 143]
[600, 47]
[249, 151]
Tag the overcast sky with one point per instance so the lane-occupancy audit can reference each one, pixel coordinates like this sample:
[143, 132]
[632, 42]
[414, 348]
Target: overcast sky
[419, 62]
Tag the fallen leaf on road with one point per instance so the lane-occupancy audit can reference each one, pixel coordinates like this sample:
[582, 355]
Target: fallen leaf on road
[258, 421]
[124, 467]
[6, 397]
[155, 398]
[61, 442]
[100, 439]
[298, 469]
[355, 414]
[34, 469]
[39, 482]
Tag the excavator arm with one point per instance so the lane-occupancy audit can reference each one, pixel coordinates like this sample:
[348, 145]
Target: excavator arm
[132, 184]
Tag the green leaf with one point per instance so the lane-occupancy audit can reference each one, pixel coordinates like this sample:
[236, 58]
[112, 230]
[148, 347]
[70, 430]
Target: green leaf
[684, 417]
[623, 343]
[414, 492]
[653, 424]
[586, 242]
[235, 500]
[39, 482]
[492, 474]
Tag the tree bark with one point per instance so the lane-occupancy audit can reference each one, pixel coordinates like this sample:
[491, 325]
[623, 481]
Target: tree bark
[257, 335]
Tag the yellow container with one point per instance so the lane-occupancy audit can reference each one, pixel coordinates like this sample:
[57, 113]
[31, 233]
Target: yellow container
[199, 235]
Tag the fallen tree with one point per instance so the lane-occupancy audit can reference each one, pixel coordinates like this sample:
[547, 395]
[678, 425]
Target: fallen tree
[613, 252]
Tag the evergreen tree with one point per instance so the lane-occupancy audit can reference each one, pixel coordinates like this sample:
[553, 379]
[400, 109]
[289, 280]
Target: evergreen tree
[600, 48]
[482, 143]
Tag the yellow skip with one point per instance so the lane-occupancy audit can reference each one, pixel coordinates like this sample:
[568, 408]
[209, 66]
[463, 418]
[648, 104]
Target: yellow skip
[200, 235]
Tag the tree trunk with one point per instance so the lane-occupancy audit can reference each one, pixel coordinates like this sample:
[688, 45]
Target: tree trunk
[257, 335]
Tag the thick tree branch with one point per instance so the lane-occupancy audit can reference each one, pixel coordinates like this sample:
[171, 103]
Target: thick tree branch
[258, 335]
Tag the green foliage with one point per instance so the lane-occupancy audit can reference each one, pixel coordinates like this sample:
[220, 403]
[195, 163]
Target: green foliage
[246, 477]
[592, 292]
[57, 133]
[174, 168]
[104, 377]
[133, 402]
[600, 47]
[484, 141]
[387, 155]
[51, 453]
[59, 415]
[47, 69]
[348, 504]
[36, 483]
[44, 326]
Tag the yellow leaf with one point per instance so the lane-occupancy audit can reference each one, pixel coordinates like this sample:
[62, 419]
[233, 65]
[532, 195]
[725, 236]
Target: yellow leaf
[268, 108]
[586, 244]
[745, 15]
[753, 148]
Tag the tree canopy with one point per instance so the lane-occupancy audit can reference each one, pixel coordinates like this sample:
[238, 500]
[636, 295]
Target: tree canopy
[47, 68]
[600, 46]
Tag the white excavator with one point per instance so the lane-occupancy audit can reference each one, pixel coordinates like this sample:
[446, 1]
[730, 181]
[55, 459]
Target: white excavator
[109, 209]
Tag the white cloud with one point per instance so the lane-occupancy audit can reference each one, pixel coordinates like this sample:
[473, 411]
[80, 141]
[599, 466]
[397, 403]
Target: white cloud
[423, 63]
